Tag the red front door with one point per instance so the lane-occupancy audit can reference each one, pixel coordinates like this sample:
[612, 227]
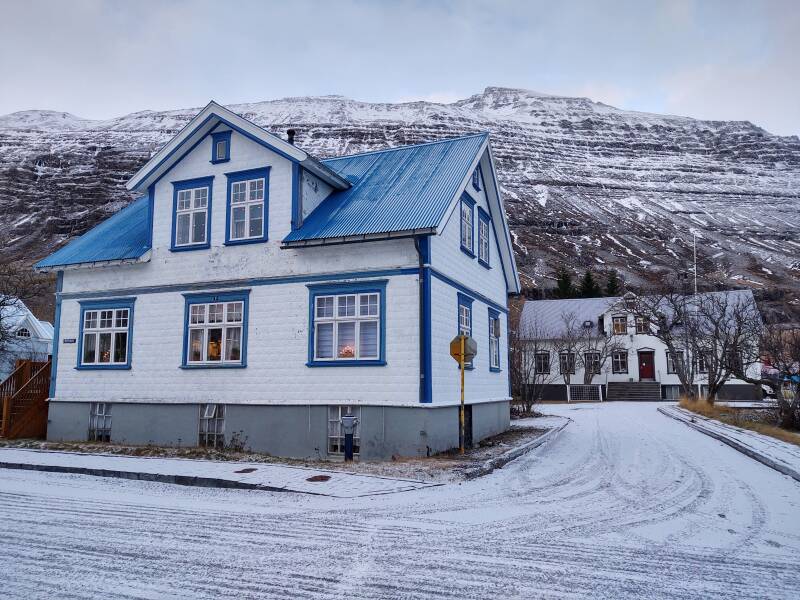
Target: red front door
[647, 369]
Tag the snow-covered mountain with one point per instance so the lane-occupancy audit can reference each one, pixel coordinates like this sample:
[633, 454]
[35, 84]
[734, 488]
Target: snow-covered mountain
[585, 183]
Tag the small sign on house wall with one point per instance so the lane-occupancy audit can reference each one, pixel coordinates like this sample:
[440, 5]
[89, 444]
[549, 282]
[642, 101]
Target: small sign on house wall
[69, 340]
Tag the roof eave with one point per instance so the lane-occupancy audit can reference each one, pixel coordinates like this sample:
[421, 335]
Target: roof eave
[145, 257]
[353, 239]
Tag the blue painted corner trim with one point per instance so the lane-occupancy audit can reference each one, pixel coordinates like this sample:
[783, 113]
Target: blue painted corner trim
[205, 298]
[101, 305]
[426, 371]
[237, 176]
[56, 334]
[189, 184]
[221, 136]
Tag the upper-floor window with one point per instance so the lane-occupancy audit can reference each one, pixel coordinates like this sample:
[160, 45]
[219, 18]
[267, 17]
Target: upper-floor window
[476, 178]
[566, 362]
[702, 362]
[105, 334]
[347, 324]
[467, 224]
[247, 206]
[642, 325]
[483, 237]
[215, 333]
[192, 209]
[674, 361]
[23, 332]
[619, 361]
[542, 362]
[619, 325]
[220, 147]
[494, 340]
[465, 317]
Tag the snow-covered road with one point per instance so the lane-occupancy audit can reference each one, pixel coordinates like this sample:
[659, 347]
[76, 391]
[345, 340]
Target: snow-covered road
[624, 503]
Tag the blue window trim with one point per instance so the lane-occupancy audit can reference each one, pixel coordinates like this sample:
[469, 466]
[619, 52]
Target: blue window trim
[100, 305]
[493, 314]
[221, 136]
[470, 202]
[260, 173]
[189, 184]
[364, 287]
[476, 178]
[204, 298]
[464, 300]
[483, 217]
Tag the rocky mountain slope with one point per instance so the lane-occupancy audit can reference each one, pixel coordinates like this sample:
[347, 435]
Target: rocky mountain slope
[585, 184]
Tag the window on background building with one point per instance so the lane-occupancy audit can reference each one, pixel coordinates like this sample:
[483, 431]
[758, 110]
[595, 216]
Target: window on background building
[212, 425]
[191, 217]
[247, 209]
[483, 238]
[105, 335]
[215, 332]
[642, 326]
[619, 362]
[23, 332]
[566, 363]
[619, 325]
[335, 433]
[674, 361]
[100, 422]
[467, 224]
[591, 362]
[494, 340]
[702, 362]
[542, 364]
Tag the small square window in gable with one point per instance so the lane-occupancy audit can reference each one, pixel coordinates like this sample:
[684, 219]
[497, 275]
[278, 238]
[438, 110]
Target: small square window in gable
[220, 147]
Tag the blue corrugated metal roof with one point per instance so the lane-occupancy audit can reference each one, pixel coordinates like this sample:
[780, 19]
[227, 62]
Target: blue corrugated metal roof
[124, 236]
[399, 189]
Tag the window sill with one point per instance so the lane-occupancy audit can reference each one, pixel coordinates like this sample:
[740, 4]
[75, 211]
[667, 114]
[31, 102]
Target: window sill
[211, 366]
[243, 242]
[495, 369]
[216, 161]
[190, 248]
[346, 363]
[467, 251]
[483, 263]
[103, 368]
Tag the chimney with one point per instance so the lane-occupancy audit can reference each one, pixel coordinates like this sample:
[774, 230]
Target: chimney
[290, 136]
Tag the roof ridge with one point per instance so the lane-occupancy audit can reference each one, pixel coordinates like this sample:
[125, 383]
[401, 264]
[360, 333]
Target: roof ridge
[407, 146]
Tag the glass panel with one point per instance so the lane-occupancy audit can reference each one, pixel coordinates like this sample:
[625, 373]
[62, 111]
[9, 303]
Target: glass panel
[198, 313]
[368, 339]
[90, 319]
[196, 345]
[198, 227]
[257, 189]
[234, 312]
[221, 149]
[182, 235]
[233, 345]
[184, 199]
[325, 307]
[256, 220]
[238, 225]
[215, 312]
[238, 192]
[214, 352]
[201, 197]
[89, 342]
[369, 305]
[106, 319]
[325, 340]
[347, 306]
[121, 318]
[120, 346]
[346, 341]
[104, 352]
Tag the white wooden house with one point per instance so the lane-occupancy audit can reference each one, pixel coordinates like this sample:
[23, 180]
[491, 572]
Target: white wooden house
[253, 294]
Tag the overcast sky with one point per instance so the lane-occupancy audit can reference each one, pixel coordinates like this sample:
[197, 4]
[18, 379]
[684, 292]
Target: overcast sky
[702, 58]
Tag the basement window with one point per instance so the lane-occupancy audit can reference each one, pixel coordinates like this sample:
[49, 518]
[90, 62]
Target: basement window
[212, 425]
[335, 433]
[100, 422]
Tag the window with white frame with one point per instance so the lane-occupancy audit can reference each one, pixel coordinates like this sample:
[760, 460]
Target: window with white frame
[215, 332]
[212, 425]
[23, 332]
[347, 326]
[642, 326]
[247, 209]
[335, 433]
[674, 361]
[591, 362]
[566, 362]
[619, 325]
[100, 422]
[542, 363]
[191, 216]
[466, 224]
[105, 336]
[221, 150]
[619, 361]
[476, 179]
[494, 340]
[483, 238]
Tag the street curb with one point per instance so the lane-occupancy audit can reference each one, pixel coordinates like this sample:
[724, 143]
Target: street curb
[187, 480]
[500, 461]
[694, 421]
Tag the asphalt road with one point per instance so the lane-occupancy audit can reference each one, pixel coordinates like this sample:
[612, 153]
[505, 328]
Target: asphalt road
[625, 503]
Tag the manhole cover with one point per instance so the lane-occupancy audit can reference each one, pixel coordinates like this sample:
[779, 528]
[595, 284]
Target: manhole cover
[247, 470]
[319, 478]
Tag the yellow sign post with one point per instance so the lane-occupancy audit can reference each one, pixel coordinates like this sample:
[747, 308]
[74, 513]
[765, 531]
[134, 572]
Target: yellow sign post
[462, 348]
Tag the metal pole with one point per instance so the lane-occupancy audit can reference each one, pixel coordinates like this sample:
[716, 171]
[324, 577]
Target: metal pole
[461, 410]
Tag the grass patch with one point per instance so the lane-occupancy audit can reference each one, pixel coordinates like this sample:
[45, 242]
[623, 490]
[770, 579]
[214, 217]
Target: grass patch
[746, 419]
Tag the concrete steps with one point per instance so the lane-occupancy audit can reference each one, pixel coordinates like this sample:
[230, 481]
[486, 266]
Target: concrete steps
[634, 391]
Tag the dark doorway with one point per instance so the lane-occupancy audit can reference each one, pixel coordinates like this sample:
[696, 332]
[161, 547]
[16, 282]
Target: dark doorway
[647, 367]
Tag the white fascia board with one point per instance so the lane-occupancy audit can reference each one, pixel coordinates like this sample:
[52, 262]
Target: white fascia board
[364, 237]
[512, 275]
[96, 264]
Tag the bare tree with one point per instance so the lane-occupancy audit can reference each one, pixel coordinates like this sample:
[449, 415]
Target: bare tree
[531, 372]
[567, 346]
[595, 351]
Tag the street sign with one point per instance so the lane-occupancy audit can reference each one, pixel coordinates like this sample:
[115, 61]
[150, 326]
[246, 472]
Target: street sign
[470, 348]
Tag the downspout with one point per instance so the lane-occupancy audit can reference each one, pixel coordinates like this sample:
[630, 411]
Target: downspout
[422, 246]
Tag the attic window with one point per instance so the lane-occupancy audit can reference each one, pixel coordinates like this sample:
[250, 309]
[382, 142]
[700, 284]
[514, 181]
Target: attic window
[476, 178]
[23, 332]
[220, 147]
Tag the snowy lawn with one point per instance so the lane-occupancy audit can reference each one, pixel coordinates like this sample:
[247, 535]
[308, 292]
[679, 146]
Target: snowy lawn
[623, 503]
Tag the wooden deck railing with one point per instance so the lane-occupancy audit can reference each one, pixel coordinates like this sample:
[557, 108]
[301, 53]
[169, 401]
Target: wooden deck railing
[24, 412]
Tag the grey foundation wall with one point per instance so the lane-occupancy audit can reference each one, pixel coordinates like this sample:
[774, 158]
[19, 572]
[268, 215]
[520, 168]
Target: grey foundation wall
[286, 431]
